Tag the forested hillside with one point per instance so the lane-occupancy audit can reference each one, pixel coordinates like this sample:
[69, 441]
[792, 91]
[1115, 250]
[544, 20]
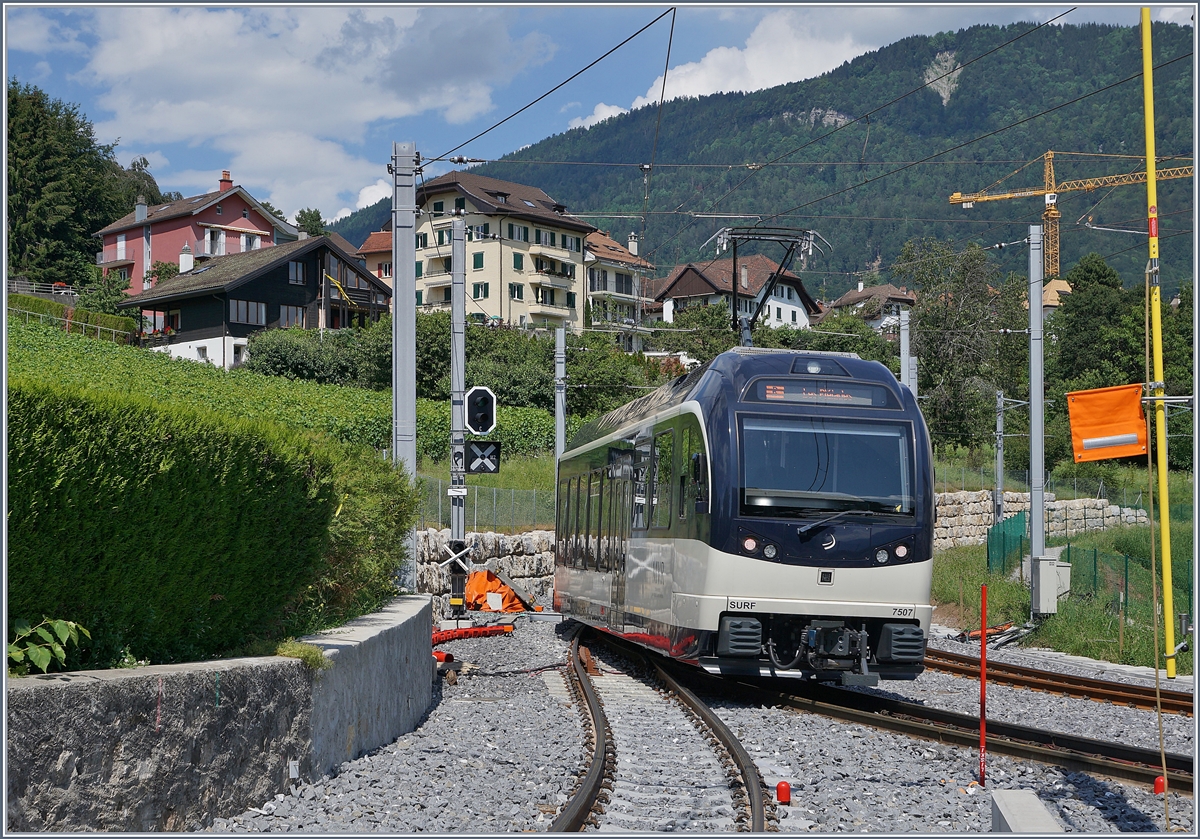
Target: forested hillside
[852, 181]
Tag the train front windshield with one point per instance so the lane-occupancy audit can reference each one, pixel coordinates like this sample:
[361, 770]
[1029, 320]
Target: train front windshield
[800, 465]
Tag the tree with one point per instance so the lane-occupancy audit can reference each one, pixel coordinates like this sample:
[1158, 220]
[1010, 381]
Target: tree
[309, 220]
[273, 210]
[61, 186]
[962, 305]
[703, 332]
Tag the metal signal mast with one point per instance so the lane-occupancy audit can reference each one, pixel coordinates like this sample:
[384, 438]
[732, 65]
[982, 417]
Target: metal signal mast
[1051, 189]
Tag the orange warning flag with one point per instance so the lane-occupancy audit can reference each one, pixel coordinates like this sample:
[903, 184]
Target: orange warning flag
[1107, 422]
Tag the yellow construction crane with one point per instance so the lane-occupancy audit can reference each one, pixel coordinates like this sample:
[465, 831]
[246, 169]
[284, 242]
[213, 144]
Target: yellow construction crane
[1051, 190]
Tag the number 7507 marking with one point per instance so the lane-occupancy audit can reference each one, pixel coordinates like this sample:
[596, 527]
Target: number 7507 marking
[903, 611]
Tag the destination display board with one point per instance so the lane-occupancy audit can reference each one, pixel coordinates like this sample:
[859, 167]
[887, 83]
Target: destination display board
[821, 392]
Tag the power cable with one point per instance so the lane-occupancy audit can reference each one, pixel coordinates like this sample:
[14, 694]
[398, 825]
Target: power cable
[670, 11]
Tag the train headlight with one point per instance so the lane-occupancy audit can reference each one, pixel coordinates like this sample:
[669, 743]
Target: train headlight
[902, 551]
[769, 551]
[881, 556]
[750, 544]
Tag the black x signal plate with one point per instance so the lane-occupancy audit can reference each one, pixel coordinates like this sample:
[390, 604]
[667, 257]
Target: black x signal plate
[483, 457]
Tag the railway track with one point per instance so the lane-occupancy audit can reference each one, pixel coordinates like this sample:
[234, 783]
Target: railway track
[1137, 696]
[661, 759]
[1077, 754]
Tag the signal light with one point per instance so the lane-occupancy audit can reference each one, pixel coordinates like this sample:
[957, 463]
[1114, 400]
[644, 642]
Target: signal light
[481, 410]
[750, 545]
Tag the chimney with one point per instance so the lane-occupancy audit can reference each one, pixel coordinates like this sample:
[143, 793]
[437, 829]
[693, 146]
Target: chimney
[186, 262]
[745, 277]
[860, 285]
[633, 244]
[226, 183]
[139, 209]
[303, 234]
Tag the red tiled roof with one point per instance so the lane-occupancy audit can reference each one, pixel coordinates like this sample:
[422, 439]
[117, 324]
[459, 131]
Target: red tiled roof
[605, 247]
[377, 242]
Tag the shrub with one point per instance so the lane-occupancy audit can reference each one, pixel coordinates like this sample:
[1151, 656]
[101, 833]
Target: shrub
[173, 532]
[42, 306]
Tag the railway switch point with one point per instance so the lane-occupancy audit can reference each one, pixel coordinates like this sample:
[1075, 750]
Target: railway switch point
[783, 792]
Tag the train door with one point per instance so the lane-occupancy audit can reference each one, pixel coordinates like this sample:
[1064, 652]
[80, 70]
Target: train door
[619, 533]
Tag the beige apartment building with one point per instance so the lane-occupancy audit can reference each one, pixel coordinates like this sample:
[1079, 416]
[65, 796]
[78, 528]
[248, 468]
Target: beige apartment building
[524, 252]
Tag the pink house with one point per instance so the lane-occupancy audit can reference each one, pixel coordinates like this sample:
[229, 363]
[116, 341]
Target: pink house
[226, 221]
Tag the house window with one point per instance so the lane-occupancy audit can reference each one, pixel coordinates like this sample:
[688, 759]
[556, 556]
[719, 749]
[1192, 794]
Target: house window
[446, 295]
[484, 229]
[247, 311]
[790, 292]
[568, 269]
[624, 284]
[173, 319]
[245, 214]
[218, 209]
[460, 203]
[516, 291]
[420, 268]
[215, 242]
[544, 296]
[477, 260]
[518, 262]
[419, 296]
[438, 207]
[793, 315]
[778, 313]
[120, 246]
[202, 353]
[296, 273]
[385, 269]
[573, 243]
[291, 316]
[479, 291]
[249, 242]
[123, 273]
[422, 240]
[570, 300]
[518, 233]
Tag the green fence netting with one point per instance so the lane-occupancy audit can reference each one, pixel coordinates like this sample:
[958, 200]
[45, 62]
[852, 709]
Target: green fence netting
[1006, 544]
[488, 508]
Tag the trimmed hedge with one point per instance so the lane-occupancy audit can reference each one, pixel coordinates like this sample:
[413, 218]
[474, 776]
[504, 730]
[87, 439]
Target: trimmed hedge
[172, 532]
[82, 317]
[180, 505]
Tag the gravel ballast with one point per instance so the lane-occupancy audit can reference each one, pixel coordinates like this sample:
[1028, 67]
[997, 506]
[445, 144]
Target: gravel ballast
[500, 751]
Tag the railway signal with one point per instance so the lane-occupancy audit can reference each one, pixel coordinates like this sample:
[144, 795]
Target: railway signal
[483, 457]
[481, 410]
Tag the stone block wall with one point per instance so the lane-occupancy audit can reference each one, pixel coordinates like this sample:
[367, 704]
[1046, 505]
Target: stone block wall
[171, 747]
[527, 558]
[963, 518]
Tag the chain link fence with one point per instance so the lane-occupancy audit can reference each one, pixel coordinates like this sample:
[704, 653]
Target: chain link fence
[488, 508]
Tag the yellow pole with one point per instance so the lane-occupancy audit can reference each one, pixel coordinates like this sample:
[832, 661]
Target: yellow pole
[1160, 418]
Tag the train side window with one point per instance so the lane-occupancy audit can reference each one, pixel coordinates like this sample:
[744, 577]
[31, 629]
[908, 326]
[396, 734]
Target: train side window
[593, 520]
[576, 548]
[563, 530]
[694, 466]
[606, 523]
[664, 478]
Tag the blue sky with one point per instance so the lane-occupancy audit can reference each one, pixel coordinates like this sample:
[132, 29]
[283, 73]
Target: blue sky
[302, 103]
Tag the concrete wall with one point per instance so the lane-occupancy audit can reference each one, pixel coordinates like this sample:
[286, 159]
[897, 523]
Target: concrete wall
[172, 747]
[527, 558]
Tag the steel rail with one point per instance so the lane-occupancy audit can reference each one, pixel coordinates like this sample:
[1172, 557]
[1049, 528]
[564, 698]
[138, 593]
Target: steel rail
[1066, 751]
[578, 810]
[1099, 690]
[746, 767]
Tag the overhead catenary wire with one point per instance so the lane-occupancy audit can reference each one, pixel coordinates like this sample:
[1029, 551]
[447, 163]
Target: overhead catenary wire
[443, 155]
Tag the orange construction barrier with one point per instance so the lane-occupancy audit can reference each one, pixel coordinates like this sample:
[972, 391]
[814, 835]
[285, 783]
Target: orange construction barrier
[482, 583]
[470, 632]
[1107, 422]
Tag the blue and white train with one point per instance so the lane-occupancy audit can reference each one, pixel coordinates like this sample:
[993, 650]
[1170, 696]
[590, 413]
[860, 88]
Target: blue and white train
[770, 514]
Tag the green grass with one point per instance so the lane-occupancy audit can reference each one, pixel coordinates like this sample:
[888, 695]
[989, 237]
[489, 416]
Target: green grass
[519, 472]
[1087, 625]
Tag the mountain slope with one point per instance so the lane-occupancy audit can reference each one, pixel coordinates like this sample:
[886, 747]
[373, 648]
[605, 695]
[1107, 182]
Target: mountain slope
[853, 182]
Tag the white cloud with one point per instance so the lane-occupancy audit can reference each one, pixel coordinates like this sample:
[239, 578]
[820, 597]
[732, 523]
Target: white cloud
[570, 106]
[369, 195]
[28, 30]
[783, 48]
[1182, 15]
[157, 160]
[599, 114]
[341, 214]
[284, 92]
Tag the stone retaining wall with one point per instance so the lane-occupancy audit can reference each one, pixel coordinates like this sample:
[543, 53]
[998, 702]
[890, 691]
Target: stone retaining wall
[172, 747]
[527, 558]
[963, 518]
